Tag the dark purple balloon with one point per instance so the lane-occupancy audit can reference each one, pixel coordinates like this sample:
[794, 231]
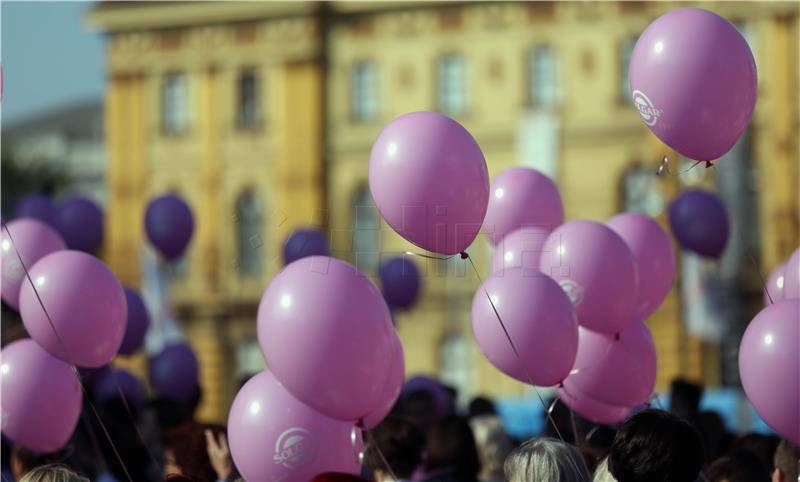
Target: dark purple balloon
[169, 225]
[174, 373]
[305, 242]
[116, 379]
[401, 282]
[92, 376]
[421, 383]
[699, 220]
[36, 206]
[80, 222]
[138, 322]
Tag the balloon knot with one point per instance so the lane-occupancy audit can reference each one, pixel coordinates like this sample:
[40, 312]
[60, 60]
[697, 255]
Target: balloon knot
[709, 164]
[360, 423]
[464, 255]
[616, 336]
[561, 384]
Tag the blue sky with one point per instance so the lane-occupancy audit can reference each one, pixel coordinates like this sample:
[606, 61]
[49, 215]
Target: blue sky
[50, 57]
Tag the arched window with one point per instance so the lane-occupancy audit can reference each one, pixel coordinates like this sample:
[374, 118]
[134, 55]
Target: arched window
[454, 364]
[250, 229]
[366, 225]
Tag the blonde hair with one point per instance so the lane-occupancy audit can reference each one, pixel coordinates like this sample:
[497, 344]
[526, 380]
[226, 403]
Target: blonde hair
[602, 474]
[52, 473]
[546, 460]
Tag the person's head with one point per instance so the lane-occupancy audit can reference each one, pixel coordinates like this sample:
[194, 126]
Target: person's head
[52, 473]
[481, 406]
[656, 446]
[685, 398]
[601, 473]
[400, 442]
[545, 459]
[23, 460]
[451, 445]
[787, 462]
[420, 406]
[738, 467]
[716, 438]
[760, 445]
[493, 444]
[185, 451]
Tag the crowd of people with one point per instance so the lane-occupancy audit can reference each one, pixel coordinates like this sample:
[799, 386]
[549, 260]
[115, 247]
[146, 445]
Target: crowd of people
[420, 442]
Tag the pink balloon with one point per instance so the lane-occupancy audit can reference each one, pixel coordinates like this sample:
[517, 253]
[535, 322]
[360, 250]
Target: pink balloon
[391, 388]
[597, 270]
[655, 258]
[86, 305]
[791, 277]
[325, 331]
[273, 436]
[33, 239]
[521, 197]
[769, 367]
[41, 397]
[540, 320]
[429, 180]
[615, 371]
[520, 249]
[775, 284]
[693, 79]
[591, 409]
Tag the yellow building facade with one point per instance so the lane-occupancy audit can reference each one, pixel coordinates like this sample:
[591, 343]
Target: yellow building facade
[262, 116]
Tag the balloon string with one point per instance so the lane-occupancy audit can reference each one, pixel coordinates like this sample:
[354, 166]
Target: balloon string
[466, 256]
[64, 348]
[372, 443]
[135, 426]
[428, 256]
[664, 167]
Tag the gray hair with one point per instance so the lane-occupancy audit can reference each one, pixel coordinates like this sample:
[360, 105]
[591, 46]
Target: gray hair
[545, 459]
[602, 474]
[52, 473]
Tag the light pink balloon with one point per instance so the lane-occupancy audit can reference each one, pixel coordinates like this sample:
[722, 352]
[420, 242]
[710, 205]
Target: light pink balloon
[775, 284]
[391, 388]
[591, 409]
[41, 397]
[539, 319]
[33, 239]
[615, 371]
[275, 437]
[520, 249]
[85, 303]
[521, 197]
[655, 258]
[769, 367]
[430, 182]
[791, 277]
[325, 331]
[598, 272]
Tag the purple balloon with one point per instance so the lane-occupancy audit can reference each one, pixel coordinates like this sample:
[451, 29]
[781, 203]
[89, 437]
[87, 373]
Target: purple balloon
[174, 373]
[33, 240]
[699, 221]
[540, 321]
[591, 409]
[274, 436]
[598, 272]
[400, 279]
[693, 80]
[775, 284]
[769, 367]
[325, 331]
[138, 323]
[41, 397]
[430, 182]
[520, 249]
[92, 376]
[80, 222]
[391, 388]
[116, 380]
[791, 277]
[655, 258]
[521, 197]
[36, 206]
[85, 303]
[615, 371]
[169, 225]
[303, 243]
[421, 383]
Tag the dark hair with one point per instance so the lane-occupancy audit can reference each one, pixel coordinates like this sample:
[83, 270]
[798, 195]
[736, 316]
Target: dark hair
[739, 467]
[685, 399]
[188, 445]
[481, 406]
[29, 459]
[760, 445]
[400, 441]
[337, 477]
[656, 446]
[716, 438]
[452, 445]
[787, 456]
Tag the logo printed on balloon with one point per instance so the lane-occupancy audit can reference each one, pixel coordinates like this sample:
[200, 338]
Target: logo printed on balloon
[294, 448]
[573, 290]
[646, 109]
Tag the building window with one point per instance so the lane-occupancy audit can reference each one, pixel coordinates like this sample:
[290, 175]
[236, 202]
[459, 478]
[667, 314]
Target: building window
[248, 99]
[452, 87]
[175, 103]
[364, 95]
[641, 192]
[626, 50]
[366, 235]
[250, 228]
[455, 367]
[543, 80]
